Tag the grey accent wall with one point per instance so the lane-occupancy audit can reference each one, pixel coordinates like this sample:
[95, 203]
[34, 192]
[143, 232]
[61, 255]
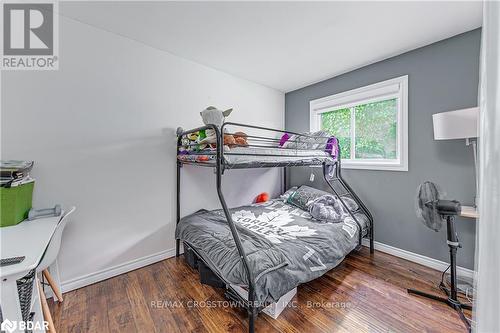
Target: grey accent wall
[442, 76]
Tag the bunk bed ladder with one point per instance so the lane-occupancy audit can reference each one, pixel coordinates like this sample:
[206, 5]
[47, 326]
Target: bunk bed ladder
[341, 189]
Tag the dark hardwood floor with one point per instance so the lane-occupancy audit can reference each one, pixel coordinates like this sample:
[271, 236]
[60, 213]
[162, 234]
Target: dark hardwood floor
[366, 293]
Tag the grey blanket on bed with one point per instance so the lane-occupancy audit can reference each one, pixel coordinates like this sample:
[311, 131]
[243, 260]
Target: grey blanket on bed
[284, 245]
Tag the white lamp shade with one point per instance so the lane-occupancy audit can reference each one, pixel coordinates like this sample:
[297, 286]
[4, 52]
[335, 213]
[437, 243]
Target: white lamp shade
[459, 124]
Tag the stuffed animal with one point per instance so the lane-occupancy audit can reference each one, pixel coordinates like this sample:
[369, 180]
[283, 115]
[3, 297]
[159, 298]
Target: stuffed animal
[328, 209]
[192, 141]
[213, 116]
[240, 139]
[185, 145]
[193, 136]
[229, 140]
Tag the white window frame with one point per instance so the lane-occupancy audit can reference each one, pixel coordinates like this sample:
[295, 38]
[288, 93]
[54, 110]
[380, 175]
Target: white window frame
[393, 88]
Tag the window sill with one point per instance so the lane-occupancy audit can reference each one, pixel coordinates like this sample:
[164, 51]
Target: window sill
[374, 166]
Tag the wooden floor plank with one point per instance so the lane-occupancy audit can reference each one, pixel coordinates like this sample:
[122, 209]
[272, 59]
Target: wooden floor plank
[97, 316]
[119, 311]
[365, 293]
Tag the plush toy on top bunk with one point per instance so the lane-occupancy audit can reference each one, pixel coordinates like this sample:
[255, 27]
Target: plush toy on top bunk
[192, 141]
[206, 139]
[213, 116]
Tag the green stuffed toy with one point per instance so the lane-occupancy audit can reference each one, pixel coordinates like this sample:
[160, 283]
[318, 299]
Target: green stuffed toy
[194, 139]
[201, 135]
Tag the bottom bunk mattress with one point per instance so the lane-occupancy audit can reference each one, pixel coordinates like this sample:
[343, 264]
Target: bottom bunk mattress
[285, 246]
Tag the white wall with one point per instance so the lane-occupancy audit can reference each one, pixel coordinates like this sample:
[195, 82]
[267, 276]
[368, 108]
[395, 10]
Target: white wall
[101, 130]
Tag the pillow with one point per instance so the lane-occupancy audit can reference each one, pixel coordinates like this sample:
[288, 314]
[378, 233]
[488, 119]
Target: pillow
[284, 197]
[316, 140]
[304, 196]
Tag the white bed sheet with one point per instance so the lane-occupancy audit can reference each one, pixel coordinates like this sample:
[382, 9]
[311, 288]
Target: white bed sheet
[273, 155]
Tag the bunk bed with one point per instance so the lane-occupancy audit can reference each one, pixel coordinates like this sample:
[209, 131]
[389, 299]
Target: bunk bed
[260, 150]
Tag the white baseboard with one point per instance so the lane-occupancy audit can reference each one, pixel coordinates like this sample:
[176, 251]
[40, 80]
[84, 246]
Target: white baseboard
[418, 258]
[107, 273]
[110, 272]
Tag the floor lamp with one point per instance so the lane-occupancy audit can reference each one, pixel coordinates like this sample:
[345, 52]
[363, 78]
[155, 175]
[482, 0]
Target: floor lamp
[459, 124]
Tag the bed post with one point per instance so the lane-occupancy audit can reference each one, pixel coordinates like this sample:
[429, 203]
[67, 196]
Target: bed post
[252, 306]
[372, 247]
[178, 199]
[251, 320]
[284, 180]
[178, 195]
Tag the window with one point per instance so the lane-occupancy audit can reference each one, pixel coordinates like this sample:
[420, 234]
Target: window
[371, 124]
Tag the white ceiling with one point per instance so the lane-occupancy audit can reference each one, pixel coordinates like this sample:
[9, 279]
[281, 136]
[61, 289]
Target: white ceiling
[283, 45]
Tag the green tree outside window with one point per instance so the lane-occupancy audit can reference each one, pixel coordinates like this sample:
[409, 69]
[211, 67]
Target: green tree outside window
[375, 129]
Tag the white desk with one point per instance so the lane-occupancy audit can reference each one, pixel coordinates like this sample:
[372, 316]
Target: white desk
[29, 239]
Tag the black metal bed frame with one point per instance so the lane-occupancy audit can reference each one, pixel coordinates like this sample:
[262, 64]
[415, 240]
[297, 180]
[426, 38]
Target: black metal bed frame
[331, 174]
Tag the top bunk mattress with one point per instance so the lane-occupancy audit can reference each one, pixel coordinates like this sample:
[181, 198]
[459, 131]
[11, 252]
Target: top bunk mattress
[255, 156]
[285, 246]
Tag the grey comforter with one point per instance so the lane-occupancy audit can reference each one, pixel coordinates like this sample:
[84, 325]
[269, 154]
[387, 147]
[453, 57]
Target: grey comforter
[284, 245]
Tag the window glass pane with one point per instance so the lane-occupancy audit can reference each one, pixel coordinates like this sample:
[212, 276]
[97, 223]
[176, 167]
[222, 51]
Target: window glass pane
[376, 130]
[338, 123]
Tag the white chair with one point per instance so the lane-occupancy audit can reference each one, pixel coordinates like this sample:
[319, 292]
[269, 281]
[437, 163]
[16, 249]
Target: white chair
[49, 257]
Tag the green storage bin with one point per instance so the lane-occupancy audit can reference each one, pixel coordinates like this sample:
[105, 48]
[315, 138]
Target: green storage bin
[15, 203]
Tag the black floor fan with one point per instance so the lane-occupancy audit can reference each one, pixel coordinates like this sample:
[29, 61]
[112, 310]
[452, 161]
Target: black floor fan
[433, 211]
